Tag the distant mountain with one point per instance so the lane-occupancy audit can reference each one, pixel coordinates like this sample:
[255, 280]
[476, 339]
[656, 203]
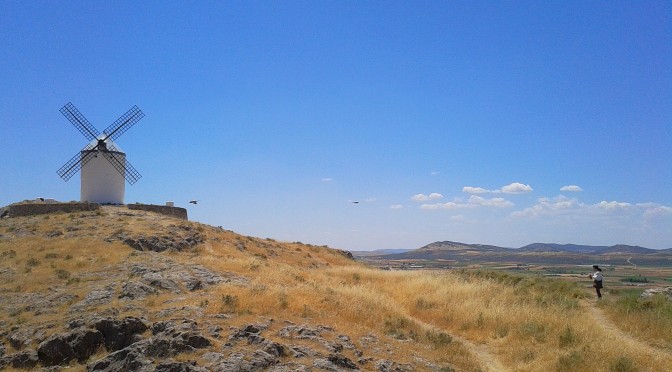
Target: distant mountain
[541, 253]
[455, 246]
[551, 247]
[378, 252]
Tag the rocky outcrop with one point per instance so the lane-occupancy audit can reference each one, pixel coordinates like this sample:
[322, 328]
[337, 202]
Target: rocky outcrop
[79, 344]
[119, 334]
[656, 291]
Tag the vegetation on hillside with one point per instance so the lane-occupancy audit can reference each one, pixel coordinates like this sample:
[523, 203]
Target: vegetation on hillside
[438, 320]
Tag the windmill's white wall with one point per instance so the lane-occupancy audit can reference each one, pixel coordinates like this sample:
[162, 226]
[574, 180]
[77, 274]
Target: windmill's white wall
[102, 182]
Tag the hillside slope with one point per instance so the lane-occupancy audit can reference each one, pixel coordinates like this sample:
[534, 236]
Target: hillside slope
[118, 290]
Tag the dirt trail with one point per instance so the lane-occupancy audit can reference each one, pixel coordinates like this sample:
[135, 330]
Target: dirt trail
[617, 335]
[488, 361]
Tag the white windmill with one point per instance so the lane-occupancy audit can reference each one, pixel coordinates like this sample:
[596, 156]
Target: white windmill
[104, 166]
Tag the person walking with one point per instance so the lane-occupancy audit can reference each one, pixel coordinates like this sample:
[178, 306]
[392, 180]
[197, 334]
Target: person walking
[597, 280]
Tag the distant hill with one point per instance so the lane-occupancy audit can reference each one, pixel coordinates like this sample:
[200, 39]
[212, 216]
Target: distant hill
[378, 252]
[540, 253]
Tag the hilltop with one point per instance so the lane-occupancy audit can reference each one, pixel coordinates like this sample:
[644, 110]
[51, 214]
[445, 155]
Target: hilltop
[116, 289]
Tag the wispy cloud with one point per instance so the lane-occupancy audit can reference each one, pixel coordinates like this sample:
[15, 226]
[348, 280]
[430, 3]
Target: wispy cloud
[562, 205]
[494, 202]
[513, 188]
[571, 188]
[474, 201]
[327, 179]
[423, 197]
[396, 206]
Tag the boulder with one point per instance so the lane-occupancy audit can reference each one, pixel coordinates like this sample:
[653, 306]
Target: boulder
[119, 334]
[79, 344]
[135, 290]
[127, 359]
[25, 360]
[655, 291]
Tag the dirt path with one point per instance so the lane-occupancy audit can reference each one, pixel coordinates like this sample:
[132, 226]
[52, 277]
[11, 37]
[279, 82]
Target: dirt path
[488, 361]
[617, 335]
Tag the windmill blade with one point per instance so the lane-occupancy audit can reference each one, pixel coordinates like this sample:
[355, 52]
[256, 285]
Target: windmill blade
[118, 160]
[75, 164]
[79, 121]
[124, 123]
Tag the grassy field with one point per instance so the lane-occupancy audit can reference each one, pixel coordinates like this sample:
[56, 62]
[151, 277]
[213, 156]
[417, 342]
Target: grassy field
[493, 317]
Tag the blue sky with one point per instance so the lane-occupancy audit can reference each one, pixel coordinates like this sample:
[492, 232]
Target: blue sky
[501, 123]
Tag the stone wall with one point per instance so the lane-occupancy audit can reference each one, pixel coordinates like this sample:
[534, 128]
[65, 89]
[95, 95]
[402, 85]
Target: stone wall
[176, 212]
[19, 210]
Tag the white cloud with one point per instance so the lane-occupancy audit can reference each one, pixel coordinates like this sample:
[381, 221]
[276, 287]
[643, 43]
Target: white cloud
[396, 206]
[660, 211]
[516, 188]
[571, 188]
[474, 190]
[546, 206]
[370, 200]
[612, 205]
[435, 173]
[473, 202]
[423, 197]
[494, 202]
[458, 218]
[327, 180]
[448, 205]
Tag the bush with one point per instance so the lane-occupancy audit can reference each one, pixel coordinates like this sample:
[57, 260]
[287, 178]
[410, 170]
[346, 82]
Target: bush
[570, 362]
[623, 364]
[567, 337]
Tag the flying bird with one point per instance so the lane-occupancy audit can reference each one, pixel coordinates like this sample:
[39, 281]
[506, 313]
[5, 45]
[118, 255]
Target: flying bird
[193, 201]
[355, 202]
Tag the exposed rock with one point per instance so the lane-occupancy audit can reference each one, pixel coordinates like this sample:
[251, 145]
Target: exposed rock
[156, 279]
[53, 234]
[342, 361]
[2, 349]
[347, 254]
[24, 359]
[235, 362]
[303, 332]
[173, 366]
[79, 344]
[385, 365]
[179, 241]
[24, 337]
[135, 290]
[99, 296]
[127, 359]
[250, 332]
[119, 334]
[335, 362]
[299, 351]
[667, 291]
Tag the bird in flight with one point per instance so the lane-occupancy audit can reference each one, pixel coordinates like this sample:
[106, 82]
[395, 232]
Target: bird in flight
[355, 202]
[193, 201]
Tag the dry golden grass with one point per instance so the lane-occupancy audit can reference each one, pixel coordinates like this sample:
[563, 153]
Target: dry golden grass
[467, 320]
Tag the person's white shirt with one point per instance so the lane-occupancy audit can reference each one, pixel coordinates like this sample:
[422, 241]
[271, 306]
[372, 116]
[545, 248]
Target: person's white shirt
[597, 275]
